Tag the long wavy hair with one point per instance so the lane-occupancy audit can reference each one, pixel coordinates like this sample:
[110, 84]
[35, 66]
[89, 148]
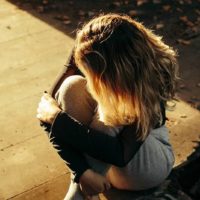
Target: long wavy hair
[129, 70]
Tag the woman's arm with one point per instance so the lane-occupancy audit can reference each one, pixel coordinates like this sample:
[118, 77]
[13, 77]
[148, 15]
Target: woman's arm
[114, 150]
[74, 159]
[91, 182]
[117, 150]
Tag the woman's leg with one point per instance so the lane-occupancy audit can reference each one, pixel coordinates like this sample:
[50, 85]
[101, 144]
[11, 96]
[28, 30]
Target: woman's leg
[149, 167]
[74, 98]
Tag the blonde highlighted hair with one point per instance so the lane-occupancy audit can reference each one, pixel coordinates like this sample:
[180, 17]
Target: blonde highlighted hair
[129, 70]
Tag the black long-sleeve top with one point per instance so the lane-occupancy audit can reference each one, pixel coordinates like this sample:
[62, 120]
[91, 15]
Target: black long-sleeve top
[72, 138]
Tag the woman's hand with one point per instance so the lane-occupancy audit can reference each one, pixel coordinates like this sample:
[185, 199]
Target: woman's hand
[47, 109]
[93, 183]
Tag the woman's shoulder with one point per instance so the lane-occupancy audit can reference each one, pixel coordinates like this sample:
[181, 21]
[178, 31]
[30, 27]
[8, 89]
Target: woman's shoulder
[161, 134]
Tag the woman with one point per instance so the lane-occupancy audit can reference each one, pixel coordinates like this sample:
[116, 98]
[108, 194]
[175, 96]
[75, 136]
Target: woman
[129, 75]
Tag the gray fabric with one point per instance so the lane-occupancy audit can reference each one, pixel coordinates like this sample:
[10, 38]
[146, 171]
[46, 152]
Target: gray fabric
[152, 163]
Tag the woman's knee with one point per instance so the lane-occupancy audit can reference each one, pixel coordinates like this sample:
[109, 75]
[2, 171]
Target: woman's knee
[70, 89]
[74, 98]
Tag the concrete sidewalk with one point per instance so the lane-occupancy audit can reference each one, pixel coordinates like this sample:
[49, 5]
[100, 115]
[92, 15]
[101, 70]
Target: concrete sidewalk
[31, 54]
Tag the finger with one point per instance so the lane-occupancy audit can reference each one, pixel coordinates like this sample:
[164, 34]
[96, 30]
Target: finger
[38, 110]
[45, 100]
[39, 116]
[47, 96]
[41, 105]
[107, 186]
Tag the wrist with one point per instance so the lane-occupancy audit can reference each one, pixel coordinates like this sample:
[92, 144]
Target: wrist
[54, 116]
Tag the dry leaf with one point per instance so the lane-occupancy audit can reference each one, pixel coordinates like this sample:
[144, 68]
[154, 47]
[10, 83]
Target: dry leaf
[159, 26]
[188, 1]
[186, 21]
[81, 13]
[183, 18]
[194, 29]
[189, 23]
[156, 1]
[58, 17]
[91, 13]
[194, 98]
[132, 13]
[62, 18]
[67, 22]
[45, 2]
[40, 9]
[183, 116]
[126, 2]
[117, 4]
[197, 11]
[65, 17]
[166, 8]
[185, 42]
[140, 2]
[181, 2]
[182, 86]
[179, 10]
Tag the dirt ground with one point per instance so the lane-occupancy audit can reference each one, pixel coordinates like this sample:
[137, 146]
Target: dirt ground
[177, 21]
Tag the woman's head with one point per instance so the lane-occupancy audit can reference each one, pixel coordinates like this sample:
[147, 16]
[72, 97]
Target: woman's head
[128, 68]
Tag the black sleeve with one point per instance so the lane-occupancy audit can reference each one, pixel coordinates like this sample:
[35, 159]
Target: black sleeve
[69, 69]
[82, 139]
[114, 150]
[73, 158]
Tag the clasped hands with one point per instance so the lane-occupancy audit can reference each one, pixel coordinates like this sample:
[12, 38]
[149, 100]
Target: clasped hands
[91, 182]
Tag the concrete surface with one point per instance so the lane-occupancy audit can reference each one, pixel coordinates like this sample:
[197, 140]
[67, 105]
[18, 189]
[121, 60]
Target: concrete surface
[31, 54]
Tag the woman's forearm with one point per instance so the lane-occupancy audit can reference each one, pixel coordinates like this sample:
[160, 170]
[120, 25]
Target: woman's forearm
[74, 159]
[114, 150]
